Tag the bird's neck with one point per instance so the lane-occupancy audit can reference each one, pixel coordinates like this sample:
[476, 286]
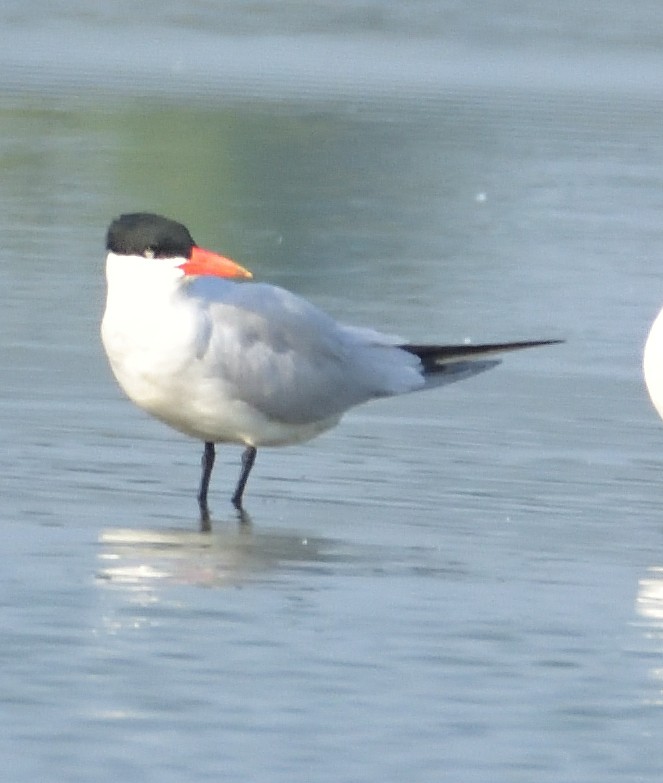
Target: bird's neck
[140, 284]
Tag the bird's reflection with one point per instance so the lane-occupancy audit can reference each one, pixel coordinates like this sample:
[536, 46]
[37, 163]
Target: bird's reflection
[231, 553]
[242, 519]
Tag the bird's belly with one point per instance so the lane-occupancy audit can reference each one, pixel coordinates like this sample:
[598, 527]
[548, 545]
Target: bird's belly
[207, 408]
[233, 421]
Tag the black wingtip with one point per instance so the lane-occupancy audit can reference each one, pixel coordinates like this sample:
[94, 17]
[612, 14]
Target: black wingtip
[432, 355]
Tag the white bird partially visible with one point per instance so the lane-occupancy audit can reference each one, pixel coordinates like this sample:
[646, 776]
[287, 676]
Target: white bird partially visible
[246, 363]
[652, 363]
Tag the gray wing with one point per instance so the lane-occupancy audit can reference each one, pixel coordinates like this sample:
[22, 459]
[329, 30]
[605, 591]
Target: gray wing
[294, 363]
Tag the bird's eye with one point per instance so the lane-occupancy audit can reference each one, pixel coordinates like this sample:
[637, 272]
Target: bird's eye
[149, 252]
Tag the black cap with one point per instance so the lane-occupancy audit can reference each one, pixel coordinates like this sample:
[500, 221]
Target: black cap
[143, 233]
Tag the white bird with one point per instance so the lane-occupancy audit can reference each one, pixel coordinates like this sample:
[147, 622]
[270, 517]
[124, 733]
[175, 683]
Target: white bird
[246, 363]
[652, 363]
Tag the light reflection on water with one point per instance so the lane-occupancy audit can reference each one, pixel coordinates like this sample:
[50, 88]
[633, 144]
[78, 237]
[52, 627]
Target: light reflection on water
[649, 607]
[650, 597]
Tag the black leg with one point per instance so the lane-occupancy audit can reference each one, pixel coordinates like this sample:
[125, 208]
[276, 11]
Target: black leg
[207, 463]
[248, 458]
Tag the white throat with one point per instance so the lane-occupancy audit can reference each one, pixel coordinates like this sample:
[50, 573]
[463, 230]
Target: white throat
[138, 279]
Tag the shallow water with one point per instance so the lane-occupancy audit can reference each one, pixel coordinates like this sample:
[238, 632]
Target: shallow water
[459, 585]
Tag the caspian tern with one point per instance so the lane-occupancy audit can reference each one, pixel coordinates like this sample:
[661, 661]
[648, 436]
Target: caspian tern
[247, 363]
[652, 363]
